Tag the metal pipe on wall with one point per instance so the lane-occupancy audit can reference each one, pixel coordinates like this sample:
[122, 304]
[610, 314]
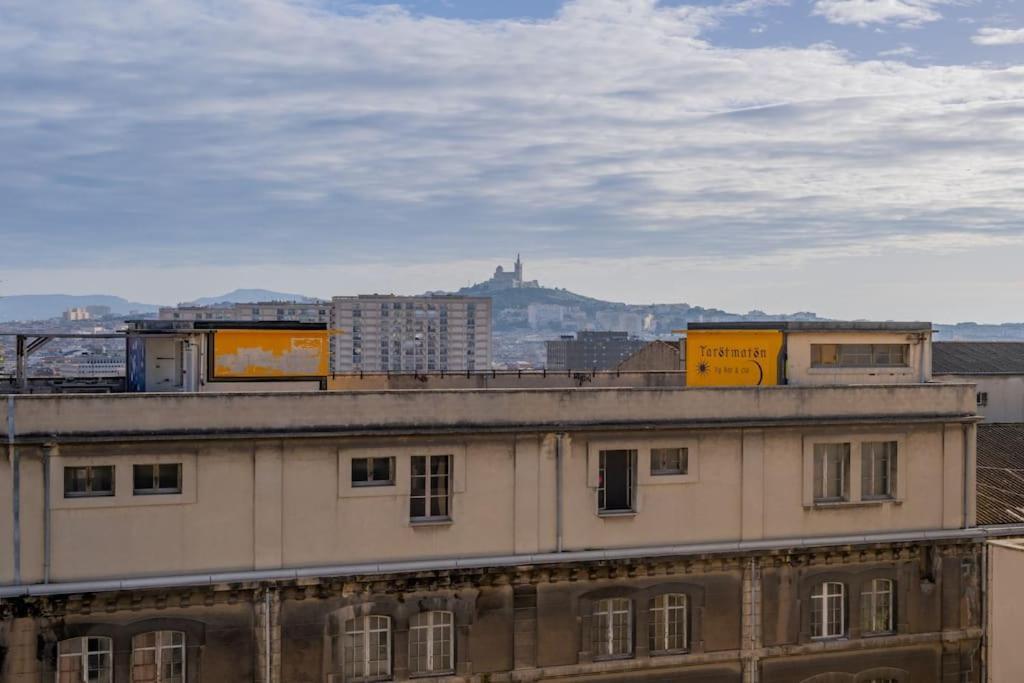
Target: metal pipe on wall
[14, 459]
[558, 490]
[47, 535]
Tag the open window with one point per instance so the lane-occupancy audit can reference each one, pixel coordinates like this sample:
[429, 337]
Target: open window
[616, 484]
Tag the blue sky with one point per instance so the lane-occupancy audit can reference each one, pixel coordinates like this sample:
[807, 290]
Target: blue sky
[858, 158]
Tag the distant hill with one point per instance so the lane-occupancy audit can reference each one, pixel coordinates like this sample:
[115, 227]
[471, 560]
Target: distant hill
[46, 306]
[251, 296]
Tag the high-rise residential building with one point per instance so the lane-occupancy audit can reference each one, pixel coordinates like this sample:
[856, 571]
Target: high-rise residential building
[388, 333]
[263, 311]
[821, 530]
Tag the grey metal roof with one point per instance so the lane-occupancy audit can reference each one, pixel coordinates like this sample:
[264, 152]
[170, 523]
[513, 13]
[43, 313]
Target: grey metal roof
[1000, 473]
[817, 326]
[978, 358]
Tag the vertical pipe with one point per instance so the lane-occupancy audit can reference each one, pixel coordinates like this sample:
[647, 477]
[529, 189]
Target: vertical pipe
[266, 634]
[46, 512]
[558, 491]
[966, 475]
[12, 454]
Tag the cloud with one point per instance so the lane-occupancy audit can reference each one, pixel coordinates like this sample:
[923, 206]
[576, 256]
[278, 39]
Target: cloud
[998, 36]
[221, 132]
[864, 12]
[904, 51]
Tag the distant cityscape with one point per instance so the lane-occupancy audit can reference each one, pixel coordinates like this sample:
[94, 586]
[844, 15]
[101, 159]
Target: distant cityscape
[504, 322]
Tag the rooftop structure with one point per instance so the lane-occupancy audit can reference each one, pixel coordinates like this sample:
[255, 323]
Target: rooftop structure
[779, 532]
[996, 368]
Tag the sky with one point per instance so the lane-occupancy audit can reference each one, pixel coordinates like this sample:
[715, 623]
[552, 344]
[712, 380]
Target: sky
[856, 158]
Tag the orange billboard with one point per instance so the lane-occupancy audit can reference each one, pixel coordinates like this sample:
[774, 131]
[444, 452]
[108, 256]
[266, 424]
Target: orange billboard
[270, 354]
[724, 358]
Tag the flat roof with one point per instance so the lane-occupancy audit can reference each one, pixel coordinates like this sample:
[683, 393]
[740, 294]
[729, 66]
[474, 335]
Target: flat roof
[817, 326]
[145, 326]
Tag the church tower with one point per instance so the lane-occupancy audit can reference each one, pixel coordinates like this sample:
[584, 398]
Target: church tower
[519, 271]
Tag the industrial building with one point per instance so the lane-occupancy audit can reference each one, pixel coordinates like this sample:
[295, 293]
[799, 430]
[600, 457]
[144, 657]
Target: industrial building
[804, 512]
[591, 350]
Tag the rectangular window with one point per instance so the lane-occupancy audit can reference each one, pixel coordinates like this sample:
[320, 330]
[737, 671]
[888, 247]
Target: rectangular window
[828, 610]
[613, 628]
[373, 471]
[85, 660]
[367, 649]
[860, 355]
[878, 469]
[616, 481]
[982, 399]
[430, 493]
[158, 657]
[876, 612]
[831, 472]
[90, 480]
[155, 479]
[431, 645]
[667, 623]
[666, 461]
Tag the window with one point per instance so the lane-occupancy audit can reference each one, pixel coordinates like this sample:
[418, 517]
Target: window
[156, 479]
[367, 649]
[85, 660]
[831, 472]
[876, 607]
[859, 355]
[878, 469]
[373, 471]
[669, 461]
[158, 657]
[668, 624]
[431, 647]
[430, 495]
[828, 610]
[982, 399]
[613, 628]
[82, 482]
[615, 480]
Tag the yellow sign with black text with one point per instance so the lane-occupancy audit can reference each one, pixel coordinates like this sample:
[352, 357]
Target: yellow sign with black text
[733, 358]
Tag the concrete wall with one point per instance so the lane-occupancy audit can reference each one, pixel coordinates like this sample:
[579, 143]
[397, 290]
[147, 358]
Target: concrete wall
[504, 379]
[1003, 603]
[289, 502]
[1005, 395]
[800, 372]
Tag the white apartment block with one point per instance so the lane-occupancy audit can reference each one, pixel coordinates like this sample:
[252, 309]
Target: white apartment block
[387, 333]
[316, 312]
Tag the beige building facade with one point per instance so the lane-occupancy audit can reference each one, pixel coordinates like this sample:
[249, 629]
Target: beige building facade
[802, 533]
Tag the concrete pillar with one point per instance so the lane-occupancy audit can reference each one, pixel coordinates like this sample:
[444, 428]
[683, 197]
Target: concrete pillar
[21, 663]
[267, 634]
[524, 632]
[751, 630]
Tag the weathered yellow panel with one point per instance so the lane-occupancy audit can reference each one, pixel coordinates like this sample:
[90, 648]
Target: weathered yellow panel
[718, 358]
[256, 354]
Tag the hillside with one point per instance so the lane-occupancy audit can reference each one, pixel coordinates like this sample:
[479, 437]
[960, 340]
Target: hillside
[249, 296]
[45, 306]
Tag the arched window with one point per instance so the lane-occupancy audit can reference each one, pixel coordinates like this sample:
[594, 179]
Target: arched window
[613, 628]
[85, 660]
[667, 623]
[828, 610]
[158, 657]
[431, 643]
[366, 648]
[876, 607]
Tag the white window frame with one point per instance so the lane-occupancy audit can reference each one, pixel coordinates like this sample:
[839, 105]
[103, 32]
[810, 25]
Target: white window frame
[154, 489]
[822, 598]
[364, 628]
[428, 495]
[105, 646]
[608, 609]
[430, 626]
[825, 457]
[661, 608]
[159, 650]
[867, 468]
[870, 599]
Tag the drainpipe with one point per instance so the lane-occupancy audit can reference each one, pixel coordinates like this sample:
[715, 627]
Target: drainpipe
[266, 634]
[559, 438]
[12, 454]
[966, 474]
[47, 450]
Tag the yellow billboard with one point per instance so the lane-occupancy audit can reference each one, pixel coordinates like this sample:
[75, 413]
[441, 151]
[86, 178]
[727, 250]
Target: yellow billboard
[270, 354]
[727, 358]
